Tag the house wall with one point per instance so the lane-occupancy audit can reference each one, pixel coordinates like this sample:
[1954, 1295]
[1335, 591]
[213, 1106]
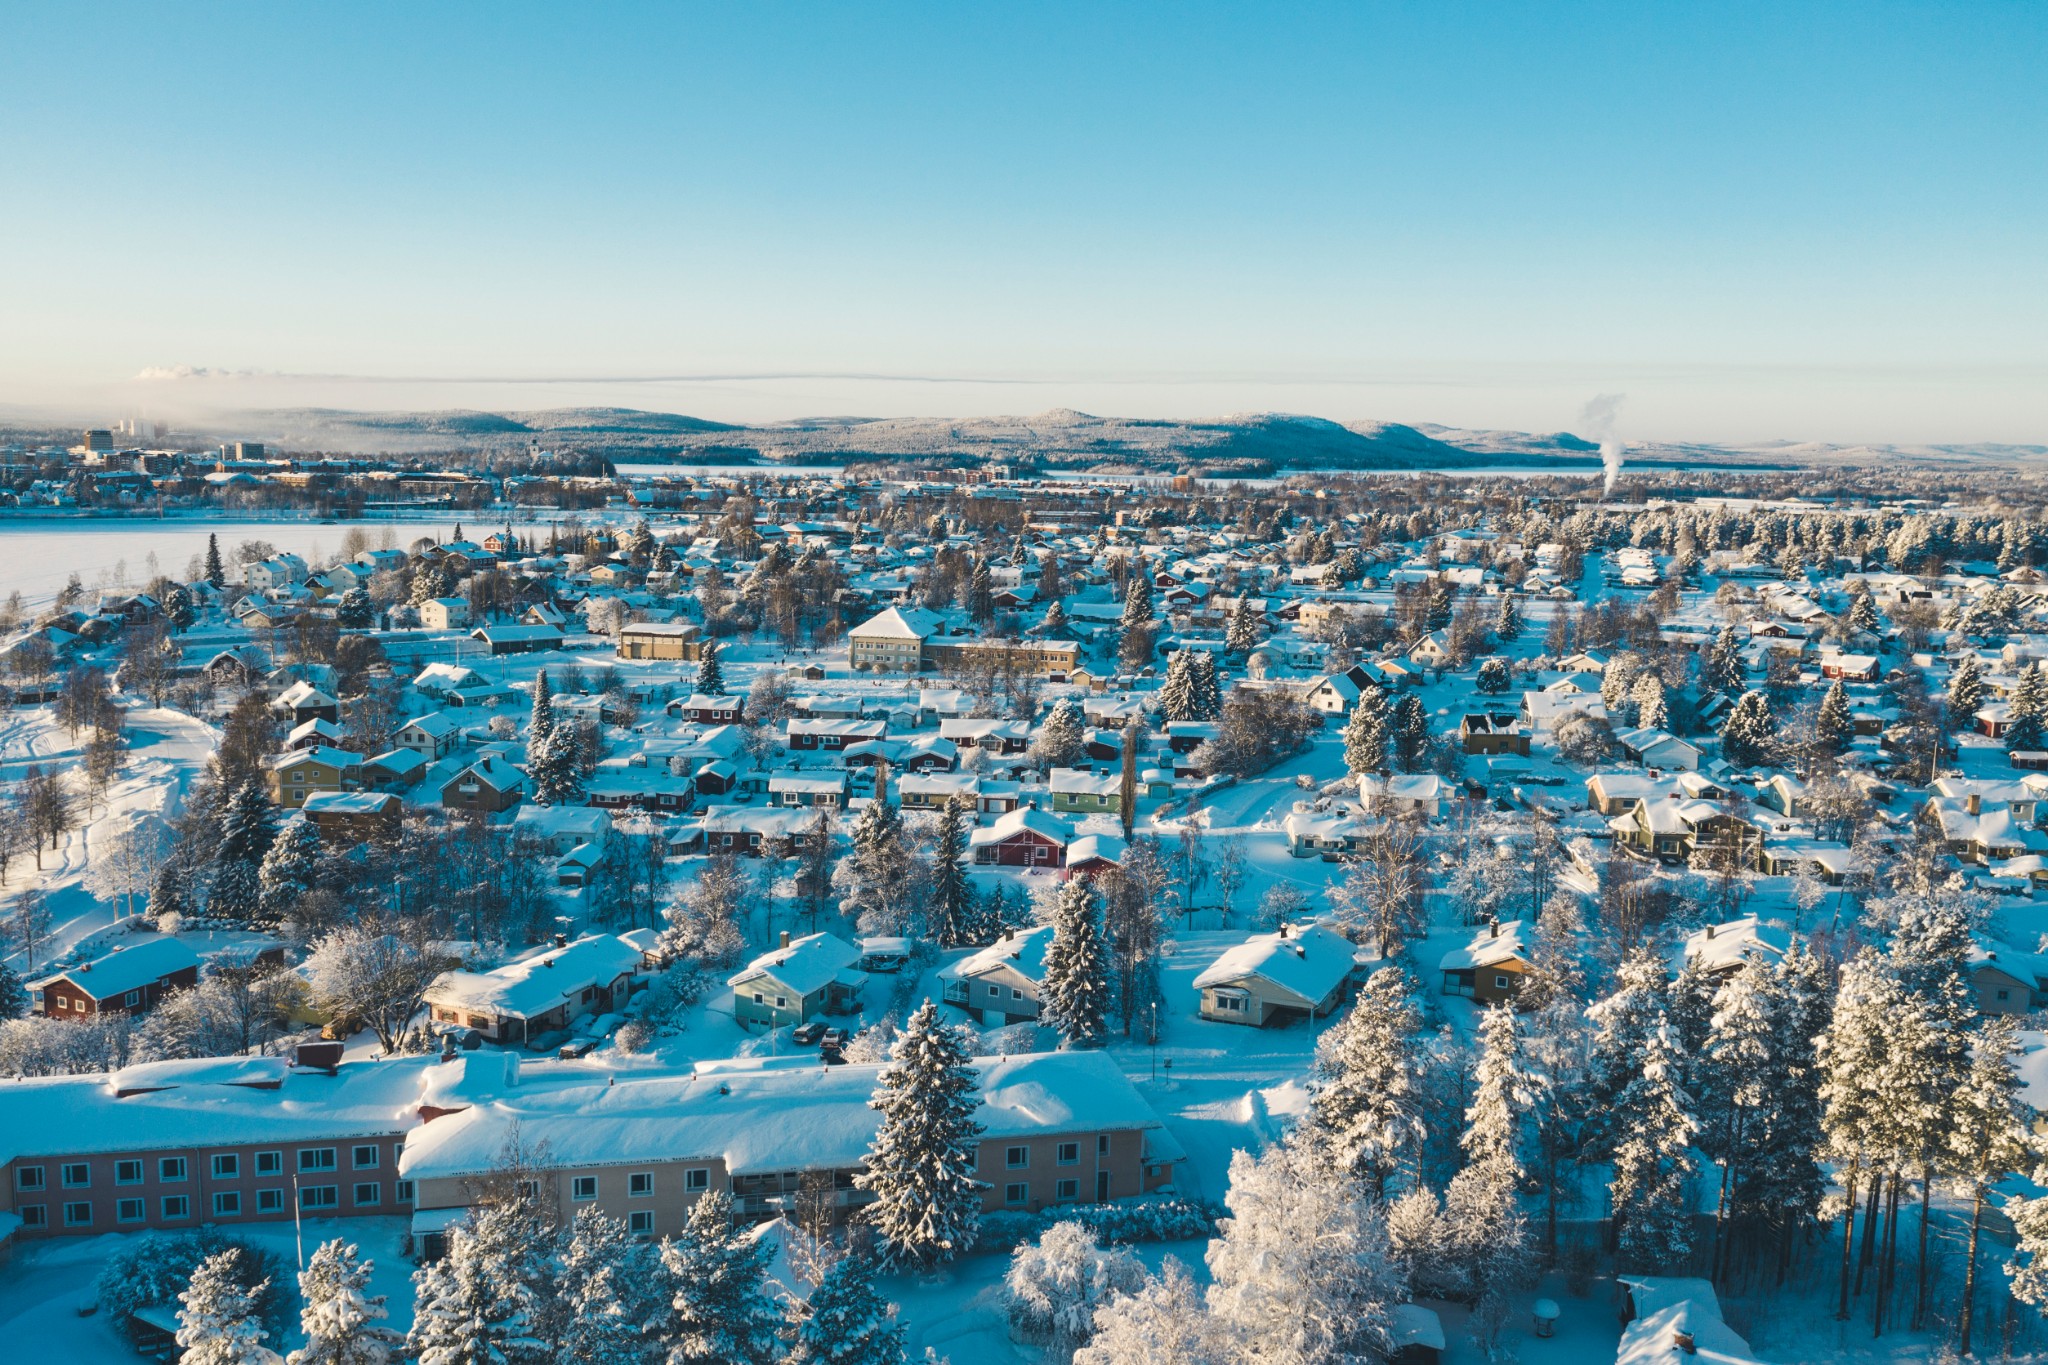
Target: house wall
[77, 1000]
[765, 1012]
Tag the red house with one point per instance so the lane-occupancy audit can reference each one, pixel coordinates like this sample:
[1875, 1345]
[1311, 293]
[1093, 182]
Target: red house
[1026, 837]
[125, 981]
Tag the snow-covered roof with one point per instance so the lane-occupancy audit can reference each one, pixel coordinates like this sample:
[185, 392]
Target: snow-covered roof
[1724, 947]
[1022, 952]
[899, 623]
[126, 969]
[1025, 818]
[1490, 946]
[534, 985]
[1307, 962]
[804, 964]
[764, 1115]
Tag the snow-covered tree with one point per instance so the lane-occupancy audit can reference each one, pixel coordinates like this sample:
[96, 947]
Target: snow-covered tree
[952, 916]
[711, 672]
[353, 609]
[1421, 1245]
[1507, 620]
[2028, 1268]
[1062, 739]
[341, 1319]
[1989, 1138]
[357, 972]
[847, 1321]
[248, 823]
[1162, 1323]
[1833, 725]
[1966, 692]
[1301, 1271]
[1208, 688]
[720, 1313]
[1654, 1167]
[1750, 734]
[1721, 670]
[1177, 699]
[1489, 1236]
[1367, 732]
[1411, 730]
[542, 722]
[1653, 709]
[482, 1303]
[289, 868]
[1364, 1108]
[920, 1169]
[610, 1293]
[1493, 678]
[1074, 994]
[1241, 636]
[870, 880]
[1054, 1286]
[2029, 713]
[218, 1324]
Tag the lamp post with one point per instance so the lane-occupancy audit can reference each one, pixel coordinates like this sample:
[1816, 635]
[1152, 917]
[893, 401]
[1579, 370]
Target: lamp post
[1155, 1040]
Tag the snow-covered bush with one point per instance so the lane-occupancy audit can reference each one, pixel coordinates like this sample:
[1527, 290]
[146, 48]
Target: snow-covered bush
[1053, 1288]
[158, 1266]
[1158, 1218]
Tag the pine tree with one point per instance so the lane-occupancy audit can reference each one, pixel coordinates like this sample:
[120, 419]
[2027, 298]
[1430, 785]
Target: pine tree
[1654, 1168]
[710, 672]
[1721, 670]
[1966, 692]
[1177, 699]
[1863, 613]
[1208, 688]
[482, 1303]
[218, 1323]
[215, 573]
[248, 824]
[340, 1319]
[1365, 1105]
[1488, 1233]
[1367, 732]
[13, 995]
[1507, 621]
[1833, 726]
[1074, 995]
[1241, 636]
[353, 609]
[1135, 649]
[847, 1321]
[1062, 739]
[1653, 711]
[1989, 1139]
[1750, 733]
[720, 1313]
[920, 1168]
[1411, 731]
[289, 868]
[1163, 1323]
[1622, 1024]
[542, 722]
[952, 905]
[2024, 726]
[981, 594]
[610, 1292]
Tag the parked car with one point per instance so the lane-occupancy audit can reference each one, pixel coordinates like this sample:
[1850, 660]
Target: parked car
[834, 1038]
[804, 1035]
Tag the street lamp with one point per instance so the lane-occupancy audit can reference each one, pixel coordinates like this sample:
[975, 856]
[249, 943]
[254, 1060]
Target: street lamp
[1155, 1040]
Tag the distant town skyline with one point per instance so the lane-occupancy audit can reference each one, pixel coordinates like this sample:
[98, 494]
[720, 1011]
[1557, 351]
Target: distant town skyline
[1817, 223]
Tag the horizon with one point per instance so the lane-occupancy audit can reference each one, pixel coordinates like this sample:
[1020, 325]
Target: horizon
[1757, 225]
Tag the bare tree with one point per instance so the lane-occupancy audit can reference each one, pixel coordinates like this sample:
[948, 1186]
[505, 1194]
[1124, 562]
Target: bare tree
[28, 923]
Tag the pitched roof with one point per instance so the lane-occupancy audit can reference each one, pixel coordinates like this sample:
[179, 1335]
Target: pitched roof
[806, 964]
[1307, 962]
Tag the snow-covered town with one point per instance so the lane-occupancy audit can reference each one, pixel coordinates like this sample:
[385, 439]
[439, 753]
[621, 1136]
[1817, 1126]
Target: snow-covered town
[1024, 920]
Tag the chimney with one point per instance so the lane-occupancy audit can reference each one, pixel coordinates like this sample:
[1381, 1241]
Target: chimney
[1283, 928]
[1710, 931]
[1493, 929]
[1683, 1341]
[1300, 951]
[1974, 803]
[561, 940]
[785, 938]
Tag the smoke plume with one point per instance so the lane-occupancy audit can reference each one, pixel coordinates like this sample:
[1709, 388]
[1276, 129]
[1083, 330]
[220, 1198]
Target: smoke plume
[1598, 417]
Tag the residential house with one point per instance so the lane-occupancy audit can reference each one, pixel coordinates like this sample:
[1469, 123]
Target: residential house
[444, 613]
[1000, 984]
[892, 641]
[125, 981]
[1085, 792]
[1025, 837]
[525, 1001]
[674, 640]
[800, 979]
[1491, 967]
[431, 736]
[1485, 732]
[1298, 972]
[1723, 949]
[344, 819]
[491, 784]
[293, 776]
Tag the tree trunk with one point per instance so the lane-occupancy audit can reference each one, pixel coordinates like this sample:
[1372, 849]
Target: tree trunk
[1848, 1237]
[1718, 1264]
[1920, 1291]
[1865, 1254]
[1888, 1261]
[1970, 1269]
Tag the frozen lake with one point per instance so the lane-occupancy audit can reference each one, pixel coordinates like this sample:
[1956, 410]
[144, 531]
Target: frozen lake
[37, 554]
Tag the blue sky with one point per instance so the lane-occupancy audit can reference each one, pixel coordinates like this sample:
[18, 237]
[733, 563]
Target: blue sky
[1810, 221]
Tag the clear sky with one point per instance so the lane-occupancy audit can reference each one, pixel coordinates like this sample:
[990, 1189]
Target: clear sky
[1808, 220]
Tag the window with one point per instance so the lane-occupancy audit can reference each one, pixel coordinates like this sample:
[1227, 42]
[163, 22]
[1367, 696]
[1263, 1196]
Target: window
[2003, 994]
[177, 1206]
[781, 1001]
[170, 1169]
[368, 1192]
[696, 1180]
[529, 1189]
[270, 1163]
[77, 1175]
[1102, 1144]
[641, 1222]
[127, 1173]
[270, 1201]
[640, 1183]
[364, 1157]
[29, 1178]
[316, 1158]
[227, 1203]
[1019, 1193]
[1068, 1154]
[760, 999]
[1500, 983]
[78, 1215]
[1016, 1158]
[1067, 1189]
[132, 999]
[128, 1211]
[320, 1197]
[34, 1215]
[226, 1166]
[585, 1187]
[1016, 994]
[1230, 1004]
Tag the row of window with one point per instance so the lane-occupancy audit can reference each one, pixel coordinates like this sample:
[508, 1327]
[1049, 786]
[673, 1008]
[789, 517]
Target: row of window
[226, 1204]
[1066, 1154]
[640, 1184]
[171, 1170]
[62, 1003]
[1064, 1191]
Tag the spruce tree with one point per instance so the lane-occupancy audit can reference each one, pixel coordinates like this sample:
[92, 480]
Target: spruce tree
[218, 1324]
[178, 610]
[981, 594]
[1074, 995]
[1833, 726]
[1966, 692]
[1653, 711]
[1722, 671]
[353, 609]
[340, 1318]
[920, 1168]
[720, 1312]
[1177, 699]
[248, 824]
[1367, 733]
[1208, 687]
[1135, 648]
[215, 573]
[1507, 621]
[710, 672]
[1062, 739]
[1654, 1168]
[952, 914]
[1489, 1235]
[13, 995]
[1750, 733]
[1365, 1102]
[1411, 731]
[1241, 637]
[483, 1302]
[610, 1291]
[846, 1321]
[1493, 678]
[2024, 725]
[542, 722]
[1622, 1025]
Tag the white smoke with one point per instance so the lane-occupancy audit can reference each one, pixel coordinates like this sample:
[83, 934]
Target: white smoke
[1598, 416]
